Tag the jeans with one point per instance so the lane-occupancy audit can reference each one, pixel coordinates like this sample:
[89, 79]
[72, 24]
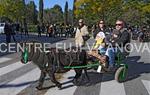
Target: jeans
[8, 38]
[110, 52]
[102, 50]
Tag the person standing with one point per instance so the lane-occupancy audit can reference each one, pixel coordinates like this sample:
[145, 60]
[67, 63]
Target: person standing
[7, 31]
[13, 32]
[39, 30]
[47, 28]
[50, 30]
[42, 28]
[82, 34]
[26, 29]
[130, 30]
[141, 34]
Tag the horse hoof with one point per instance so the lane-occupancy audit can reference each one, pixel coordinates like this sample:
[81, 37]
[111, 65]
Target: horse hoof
[59, 86]
[39, 88]
[74, 81]
[87, 84]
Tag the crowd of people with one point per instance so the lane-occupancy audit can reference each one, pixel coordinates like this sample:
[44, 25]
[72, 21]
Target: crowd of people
[53, 30]
[103, 35]
[56, 30]
[10, 30]
[141, 34]
[61, 30]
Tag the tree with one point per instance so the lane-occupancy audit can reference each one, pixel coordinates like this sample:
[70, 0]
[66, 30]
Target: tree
[47, 18]
[70, 17]
[41, 6]
[12, 9]
[146, 11]
[31, 14]
[132, 11]
[66, 14]
[53, 15]
[74, 8]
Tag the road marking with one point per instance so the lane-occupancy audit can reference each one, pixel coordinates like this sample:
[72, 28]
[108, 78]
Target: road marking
[17, 85]
[70, 90]
[112, 87]
[4, 59]
[10, 68]
[147, 85]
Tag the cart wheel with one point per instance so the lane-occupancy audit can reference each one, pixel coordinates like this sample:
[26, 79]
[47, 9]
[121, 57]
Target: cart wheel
[121, 74]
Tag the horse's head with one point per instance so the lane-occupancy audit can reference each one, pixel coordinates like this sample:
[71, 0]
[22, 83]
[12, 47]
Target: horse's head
[28, 51]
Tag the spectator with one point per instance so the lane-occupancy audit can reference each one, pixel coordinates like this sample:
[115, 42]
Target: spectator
[21, 30]
[43, 28]
[50, 30]
[130, 30]
[7, 31]
[82, 34]
[17, 27]
[39, 30]
[47, 28]
[141, 34]
[13, 32]
[26, 29]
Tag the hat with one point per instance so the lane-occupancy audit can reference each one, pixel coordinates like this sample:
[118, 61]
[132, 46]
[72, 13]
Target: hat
[101, 34]
[80, 20]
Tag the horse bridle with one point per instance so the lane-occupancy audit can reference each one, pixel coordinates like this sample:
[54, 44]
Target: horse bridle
[25, 55]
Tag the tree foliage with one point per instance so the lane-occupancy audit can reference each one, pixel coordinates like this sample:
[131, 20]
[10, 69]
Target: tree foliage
[70, 17]
[66, 13]
[132, 11]
[53, 15]
[12, 9]
[41, 8]
[31, 14]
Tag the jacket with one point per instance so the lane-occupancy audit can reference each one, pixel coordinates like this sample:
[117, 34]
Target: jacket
[79, 35]
[123, 38]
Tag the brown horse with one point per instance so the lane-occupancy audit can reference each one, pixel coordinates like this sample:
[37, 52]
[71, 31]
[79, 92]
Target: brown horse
[54, 62]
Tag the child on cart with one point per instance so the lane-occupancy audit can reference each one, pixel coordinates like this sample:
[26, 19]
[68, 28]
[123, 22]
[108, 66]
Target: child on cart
[99, 49]
[100, 43]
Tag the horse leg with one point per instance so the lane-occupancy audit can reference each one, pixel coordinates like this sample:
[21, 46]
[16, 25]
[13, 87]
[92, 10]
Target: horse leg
[51, 70]
[77, 76]
[87, 80]
[86, 75]
[53, 79]
[41, 80]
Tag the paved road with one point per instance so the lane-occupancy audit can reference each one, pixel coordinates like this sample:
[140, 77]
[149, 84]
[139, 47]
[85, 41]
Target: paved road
[21, 79]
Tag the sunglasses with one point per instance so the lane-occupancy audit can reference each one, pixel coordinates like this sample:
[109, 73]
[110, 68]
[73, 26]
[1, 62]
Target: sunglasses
[118, 24]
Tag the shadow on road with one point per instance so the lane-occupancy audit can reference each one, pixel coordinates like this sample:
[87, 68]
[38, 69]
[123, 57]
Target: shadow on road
[16, 85]
[134, 71]
[136, 68]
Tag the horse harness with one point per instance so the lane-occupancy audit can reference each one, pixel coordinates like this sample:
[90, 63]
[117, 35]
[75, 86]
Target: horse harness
[61, 58]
